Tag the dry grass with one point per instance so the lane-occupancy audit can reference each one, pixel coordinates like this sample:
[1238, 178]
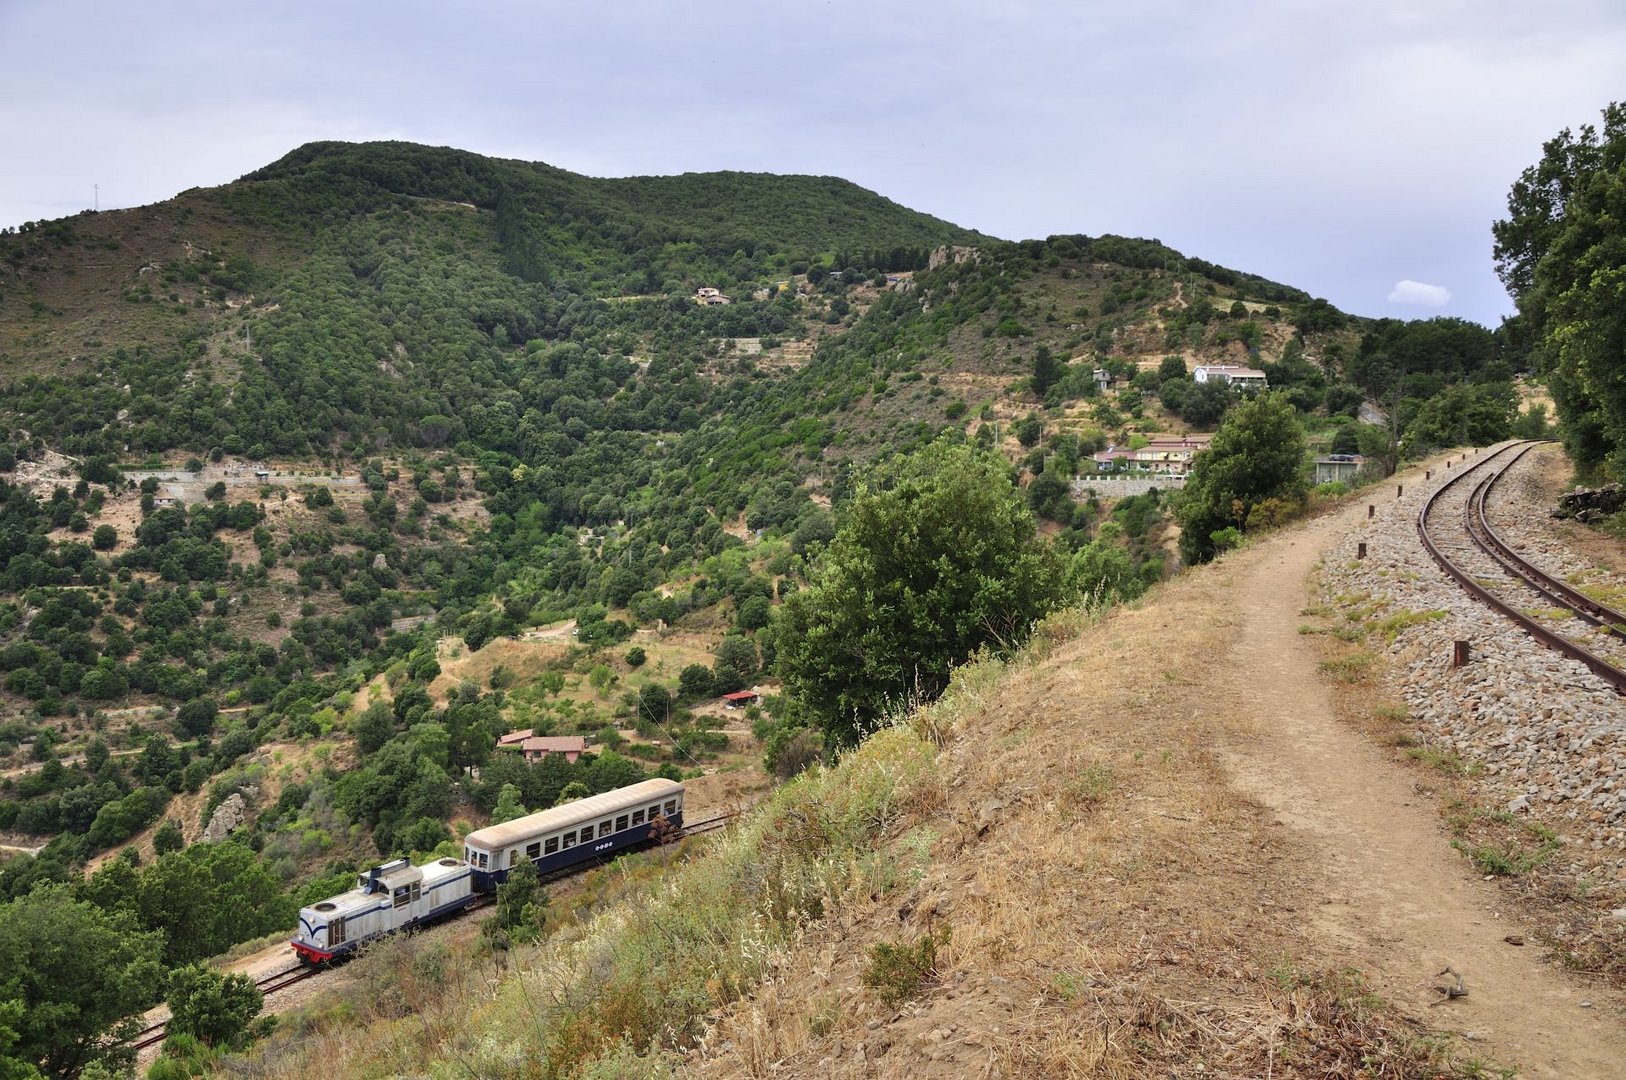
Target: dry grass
[1103, 903]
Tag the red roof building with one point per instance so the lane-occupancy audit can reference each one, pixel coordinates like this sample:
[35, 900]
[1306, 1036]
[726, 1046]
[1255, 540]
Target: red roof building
[741, 698]
[537, 747]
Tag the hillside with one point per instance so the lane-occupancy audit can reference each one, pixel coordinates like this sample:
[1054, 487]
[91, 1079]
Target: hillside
[1064, 868]
[314, 485]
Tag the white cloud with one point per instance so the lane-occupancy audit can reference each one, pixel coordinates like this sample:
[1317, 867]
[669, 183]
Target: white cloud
[1415, 292]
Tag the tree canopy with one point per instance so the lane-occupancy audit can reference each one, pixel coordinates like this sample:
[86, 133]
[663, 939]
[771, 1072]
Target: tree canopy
[1561, 252]
[77, 971]
[937, 558]
[1257, 455]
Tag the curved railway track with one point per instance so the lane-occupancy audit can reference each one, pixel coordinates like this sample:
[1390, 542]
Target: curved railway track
[153, 1034]
[1454, 527]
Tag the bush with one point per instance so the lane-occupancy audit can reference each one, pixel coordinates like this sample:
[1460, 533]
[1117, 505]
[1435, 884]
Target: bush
[896, 972]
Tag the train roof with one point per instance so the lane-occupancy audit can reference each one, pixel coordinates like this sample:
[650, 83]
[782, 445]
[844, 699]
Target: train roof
[359, 900]
[493, 837]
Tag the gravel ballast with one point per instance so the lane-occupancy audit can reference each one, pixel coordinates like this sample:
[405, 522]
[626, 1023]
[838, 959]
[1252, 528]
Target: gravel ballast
[1546, 733]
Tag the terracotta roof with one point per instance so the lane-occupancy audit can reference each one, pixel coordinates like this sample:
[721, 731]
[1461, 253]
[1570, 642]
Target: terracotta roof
[555, 744]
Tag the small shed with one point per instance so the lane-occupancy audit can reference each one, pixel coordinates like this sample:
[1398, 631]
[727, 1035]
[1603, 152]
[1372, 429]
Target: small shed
[1337, 468]
[739, 699]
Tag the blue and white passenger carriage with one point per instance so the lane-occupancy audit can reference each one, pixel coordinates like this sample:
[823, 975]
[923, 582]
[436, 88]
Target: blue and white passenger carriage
[594, 827]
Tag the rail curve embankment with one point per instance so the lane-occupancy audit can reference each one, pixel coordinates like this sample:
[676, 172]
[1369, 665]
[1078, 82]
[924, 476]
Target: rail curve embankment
[1547, 734]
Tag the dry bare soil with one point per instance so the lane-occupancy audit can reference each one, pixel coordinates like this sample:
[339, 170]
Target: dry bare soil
[1167, 849]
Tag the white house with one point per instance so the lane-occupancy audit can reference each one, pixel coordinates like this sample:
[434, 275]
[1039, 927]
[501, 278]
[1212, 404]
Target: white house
[1233, 375]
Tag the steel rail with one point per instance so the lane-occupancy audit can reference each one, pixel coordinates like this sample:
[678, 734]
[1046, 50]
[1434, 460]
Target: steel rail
[1585, 607]
[1610, 674]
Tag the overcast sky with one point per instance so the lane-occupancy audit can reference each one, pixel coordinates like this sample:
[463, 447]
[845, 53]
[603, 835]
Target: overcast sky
[1359, 151]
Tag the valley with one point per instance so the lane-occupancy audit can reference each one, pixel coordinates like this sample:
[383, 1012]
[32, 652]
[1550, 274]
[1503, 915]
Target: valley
[317, 485]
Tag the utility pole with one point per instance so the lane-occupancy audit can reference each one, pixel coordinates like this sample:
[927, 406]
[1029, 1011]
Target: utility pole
[98, 188]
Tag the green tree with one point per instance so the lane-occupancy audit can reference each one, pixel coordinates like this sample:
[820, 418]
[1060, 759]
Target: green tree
[1102, 569]
[1047, 370]
[571, 792]
[508, 805]
[197, 717]
[522, 905]
[1204, 404]
[1257, 454]
[217, 1009]
[82, 976]
[937, 558]
[105, 538]
[374, 727]
[695, 681]
[168, 838]
[1561, 252]
[1172, 367]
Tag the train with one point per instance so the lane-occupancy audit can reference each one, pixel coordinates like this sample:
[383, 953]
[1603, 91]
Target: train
[398, 895]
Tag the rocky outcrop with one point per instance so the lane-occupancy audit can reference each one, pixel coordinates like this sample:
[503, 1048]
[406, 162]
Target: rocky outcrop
[1588, 505]
[227, 816]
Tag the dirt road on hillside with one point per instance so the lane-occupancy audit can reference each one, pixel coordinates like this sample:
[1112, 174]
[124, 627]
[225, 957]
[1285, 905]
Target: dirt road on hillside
[1391, 896]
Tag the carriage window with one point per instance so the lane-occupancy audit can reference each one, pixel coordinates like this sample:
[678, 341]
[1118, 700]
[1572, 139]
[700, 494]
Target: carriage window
[553, 845]
[482, 859]
[637, 817]
[621, 823]
[335, 932]
[569, 840]
[671, 807]
[604, 828]
[654, 811]
[533, 851]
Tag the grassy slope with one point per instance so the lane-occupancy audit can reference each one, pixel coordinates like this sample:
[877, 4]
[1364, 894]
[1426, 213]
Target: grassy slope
[1104, 905]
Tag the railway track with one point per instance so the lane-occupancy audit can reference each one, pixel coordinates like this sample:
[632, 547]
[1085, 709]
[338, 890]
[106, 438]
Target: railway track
[1455, 528]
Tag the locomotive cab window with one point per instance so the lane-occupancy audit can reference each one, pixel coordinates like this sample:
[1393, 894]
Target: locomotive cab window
[604, 828]
[552, 846]
[621, 823]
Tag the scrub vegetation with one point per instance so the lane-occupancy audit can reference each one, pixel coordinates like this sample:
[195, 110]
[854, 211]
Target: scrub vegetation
[316, 484]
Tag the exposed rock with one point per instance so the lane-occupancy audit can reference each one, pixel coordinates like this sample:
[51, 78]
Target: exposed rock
[1591, 504]
[227, 816]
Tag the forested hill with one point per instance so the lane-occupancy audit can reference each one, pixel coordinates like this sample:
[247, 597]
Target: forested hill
[661, 223]
[348, 292]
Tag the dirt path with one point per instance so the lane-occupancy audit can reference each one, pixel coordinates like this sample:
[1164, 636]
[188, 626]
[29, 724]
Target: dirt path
[1390, 895]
